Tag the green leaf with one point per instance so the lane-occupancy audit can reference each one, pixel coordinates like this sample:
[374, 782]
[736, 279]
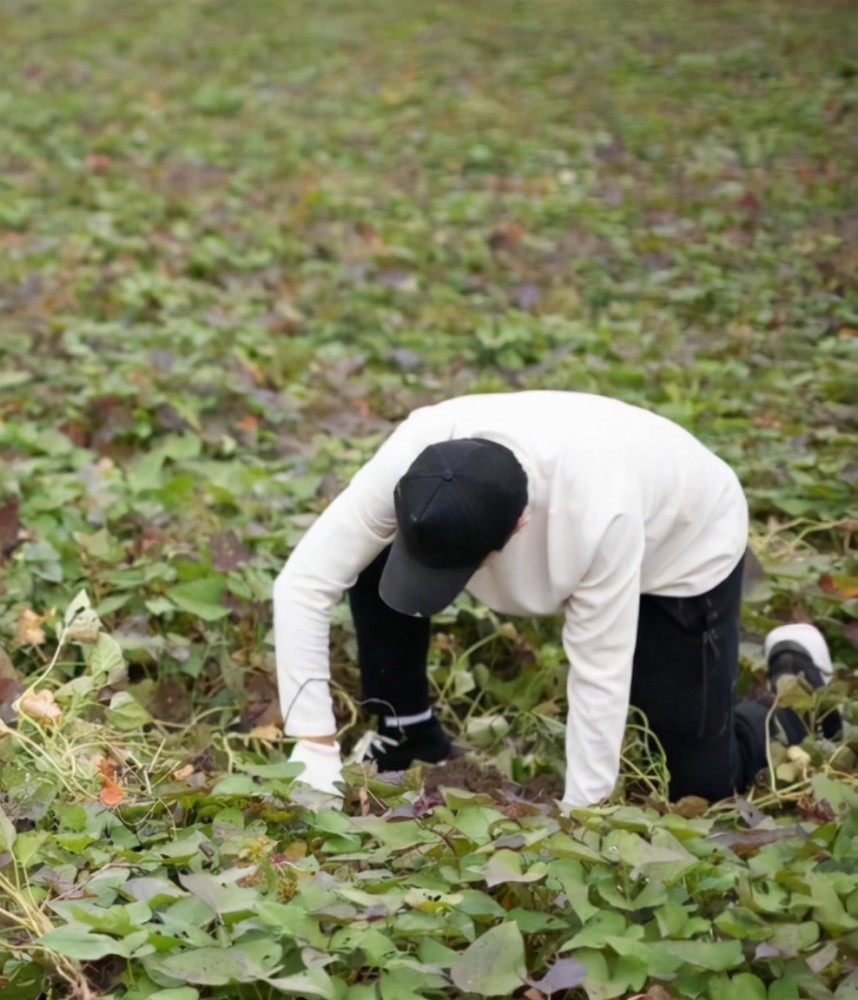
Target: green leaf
[740, 922]
[23, 981]
[238, 786]
[105, 658]
[220, 891]
[158, 606]
[375, 948]
[78, 687]
[216, 966]
[405, 979]
[428, 901]
[292, 920]
[604, 982]
[651, 955]
[313, 983]
[785, 988]
[847, 989]
[433, 952]
[838, 794]
[152, 889]
[743, 985]
[79, 606]
[494, 964]
[126, 713]
[7, 832]
[506, 866]
[531, 922]
[573, 880]
[792, 939]
[201, 598]
[77, 942]
[188, 918]
[28, 846]
[186, 845]
[182, 448]
[279, 770]
[398, 836]
[147, 474]
[561, 845]
[717, 956]
[120, 920]
[603, 926]
[8, 379]
[665, 858]
[472, 818]
[30, 796]
[828, 908]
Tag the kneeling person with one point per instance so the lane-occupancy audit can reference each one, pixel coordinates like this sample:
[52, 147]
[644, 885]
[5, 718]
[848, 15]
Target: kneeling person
[538, 503]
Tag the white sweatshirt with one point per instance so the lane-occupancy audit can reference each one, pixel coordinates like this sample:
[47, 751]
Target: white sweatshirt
[621, 502]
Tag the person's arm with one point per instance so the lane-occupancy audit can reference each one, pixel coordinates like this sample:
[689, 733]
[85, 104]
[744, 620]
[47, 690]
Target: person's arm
[599, 637]
[342, 542]
[345, 538]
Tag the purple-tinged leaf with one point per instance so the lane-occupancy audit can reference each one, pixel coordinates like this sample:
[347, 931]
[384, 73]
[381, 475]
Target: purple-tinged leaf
[565, 974]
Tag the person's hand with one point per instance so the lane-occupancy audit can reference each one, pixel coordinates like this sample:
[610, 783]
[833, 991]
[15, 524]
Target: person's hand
[322, 769]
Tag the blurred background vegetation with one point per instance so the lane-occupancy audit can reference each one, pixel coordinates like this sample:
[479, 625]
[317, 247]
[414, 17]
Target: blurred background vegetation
[239, 239]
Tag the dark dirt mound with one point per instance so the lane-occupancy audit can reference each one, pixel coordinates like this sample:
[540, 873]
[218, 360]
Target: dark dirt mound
[474, 777]
[542, 788]
[462, 773]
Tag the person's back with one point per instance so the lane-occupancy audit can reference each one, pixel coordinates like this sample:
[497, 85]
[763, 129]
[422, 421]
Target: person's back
[590, 459]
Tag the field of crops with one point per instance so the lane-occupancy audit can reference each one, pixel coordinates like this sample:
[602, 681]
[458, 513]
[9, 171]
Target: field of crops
[240, 240]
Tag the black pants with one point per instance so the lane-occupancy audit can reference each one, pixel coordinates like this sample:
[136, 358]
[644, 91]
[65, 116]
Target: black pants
[684, 677]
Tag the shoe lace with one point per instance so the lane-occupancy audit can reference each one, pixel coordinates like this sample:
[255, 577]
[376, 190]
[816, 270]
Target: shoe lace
[371, 746]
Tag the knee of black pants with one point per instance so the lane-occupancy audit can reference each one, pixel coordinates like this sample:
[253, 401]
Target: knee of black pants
[685, 669]
[708, 768]
[683, 680]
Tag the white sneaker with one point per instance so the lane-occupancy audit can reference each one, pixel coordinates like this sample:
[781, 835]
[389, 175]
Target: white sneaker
[800, 651]
[799, 648]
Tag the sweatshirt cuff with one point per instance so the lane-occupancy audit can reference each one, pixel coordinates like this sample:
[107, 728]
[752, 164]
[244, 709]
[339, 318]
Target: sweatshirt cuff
[306, 706]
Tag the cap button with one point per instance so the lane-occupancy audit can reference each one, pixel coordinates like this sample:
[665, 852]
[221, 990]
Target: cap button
[447, 475]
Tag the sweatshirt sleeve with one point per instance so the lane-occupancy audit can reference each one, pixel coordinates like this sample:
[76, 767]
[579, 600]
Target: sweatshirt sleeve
[599, 636]
[342, 542]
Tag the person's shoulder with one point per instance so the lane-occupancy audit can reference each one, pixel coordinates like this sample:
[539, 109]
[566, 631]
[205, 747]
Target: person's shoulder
[521, 414]
[523, 399]
[454, 408]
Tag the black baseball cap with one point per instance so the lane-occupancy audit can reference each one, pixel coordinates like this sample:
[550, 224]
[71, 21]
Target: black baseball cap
[458, 501]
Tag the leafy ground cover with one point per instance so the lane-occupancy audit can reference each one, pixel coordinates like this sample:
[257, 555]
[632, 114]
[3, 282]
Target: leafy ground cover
[237, 241]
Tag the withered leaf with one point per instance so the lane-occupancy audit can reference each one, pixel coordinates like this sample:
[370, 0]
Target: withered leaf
[10, 526]
[228, 551]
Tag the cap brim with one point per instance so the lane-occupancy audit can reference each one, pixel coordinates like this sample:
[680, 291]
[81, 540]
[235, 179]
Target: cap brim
[412, 588]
